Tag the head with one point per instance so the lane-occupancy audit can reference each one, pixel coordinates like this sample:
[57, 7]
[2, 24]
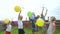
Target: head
[42, 14]
[9, 22]
[52, 19]
[37, 17]
[33, 13]
[20, 17]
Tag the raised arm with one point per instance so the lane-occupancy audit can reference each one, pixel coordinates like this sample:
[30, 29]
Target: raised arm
[46, 12]
[42, 10]
[19, 15]
[48, 22]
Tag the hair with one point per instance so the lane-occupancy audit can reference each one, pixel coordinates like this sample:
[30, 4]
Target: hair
[38, 16]
[33, 13]
[53, 18]
[21, 17]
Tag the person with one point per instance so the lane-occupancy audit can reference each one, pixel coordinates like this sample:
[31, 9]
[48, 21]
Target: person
[52, 26]
[33, 21]
[8, 28]
[20, 24]
[44, 28]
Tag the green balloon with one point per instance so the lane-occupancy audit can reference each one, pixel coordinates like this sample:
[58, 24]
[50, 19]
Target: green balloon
[29, 14]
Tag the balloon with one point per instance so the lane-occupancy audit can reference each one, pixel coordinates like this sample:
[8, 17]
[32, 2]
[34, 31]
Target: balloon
[17, 8]
[6, 21]
[40, 22]
[29, 14]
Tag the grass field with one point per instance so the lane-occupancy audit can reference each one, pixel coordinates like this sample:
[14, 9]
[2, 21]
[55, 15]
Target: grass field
[27, 31]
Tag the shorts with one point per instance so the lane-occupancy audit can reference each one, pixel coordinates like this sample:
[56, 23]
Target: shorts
[21, 31]
[7, 32]
[44, 28]
[36, 29]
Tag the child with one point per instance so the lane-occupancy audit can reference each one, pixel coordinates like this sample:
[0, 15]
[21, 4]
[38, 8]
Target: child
[20, 25]
[44, 28]
[8, 29]
[34, 27]
[52, 27]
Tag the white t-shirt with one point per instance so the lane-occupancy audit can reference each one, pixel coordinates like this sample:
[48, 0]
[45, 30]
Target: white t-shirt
[20, 24]
[9, 28]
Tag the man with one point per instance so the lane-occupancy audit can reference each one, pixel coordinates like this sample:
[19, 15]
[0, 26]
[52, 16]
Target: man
[44, 28]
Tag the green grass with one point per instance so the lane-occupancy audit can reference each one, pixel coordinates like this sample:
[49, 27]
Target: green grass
[27, 31]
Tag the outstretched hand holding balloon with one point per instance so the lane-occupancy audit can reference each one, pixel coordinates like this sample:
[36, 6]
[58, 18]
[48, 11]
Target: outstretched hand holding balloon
[17, 8]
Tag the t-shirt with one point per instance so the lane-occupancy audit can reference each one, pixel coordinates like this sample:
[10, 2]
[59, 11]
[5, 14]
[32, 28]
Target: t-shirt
[43, 17]
[9, 28]
[32, 17]
[20, 24]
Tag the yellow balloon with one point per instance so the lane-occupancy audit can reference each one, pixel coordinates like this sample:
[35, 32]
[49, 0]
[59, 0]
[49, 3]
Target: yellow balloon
[6, 21]
[40, 22]
[17, 8]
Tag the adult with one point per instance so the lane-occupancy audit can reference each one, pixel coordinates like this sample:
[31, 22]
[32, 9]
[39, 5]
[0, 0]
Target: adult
[44, 28]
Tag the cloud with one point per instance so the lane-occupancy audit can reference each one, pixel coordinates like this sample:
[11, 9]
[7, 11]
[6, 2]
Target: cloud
[7, 8]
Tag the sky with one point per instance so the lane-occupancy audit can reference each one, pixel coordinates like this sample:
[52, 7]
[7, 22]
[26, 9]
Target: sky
[7, 8]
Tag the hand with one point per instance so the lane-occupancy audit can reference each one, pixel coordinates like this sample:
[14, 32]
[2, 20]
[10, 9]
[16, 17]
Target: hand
[46, 9]
[43, 8]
